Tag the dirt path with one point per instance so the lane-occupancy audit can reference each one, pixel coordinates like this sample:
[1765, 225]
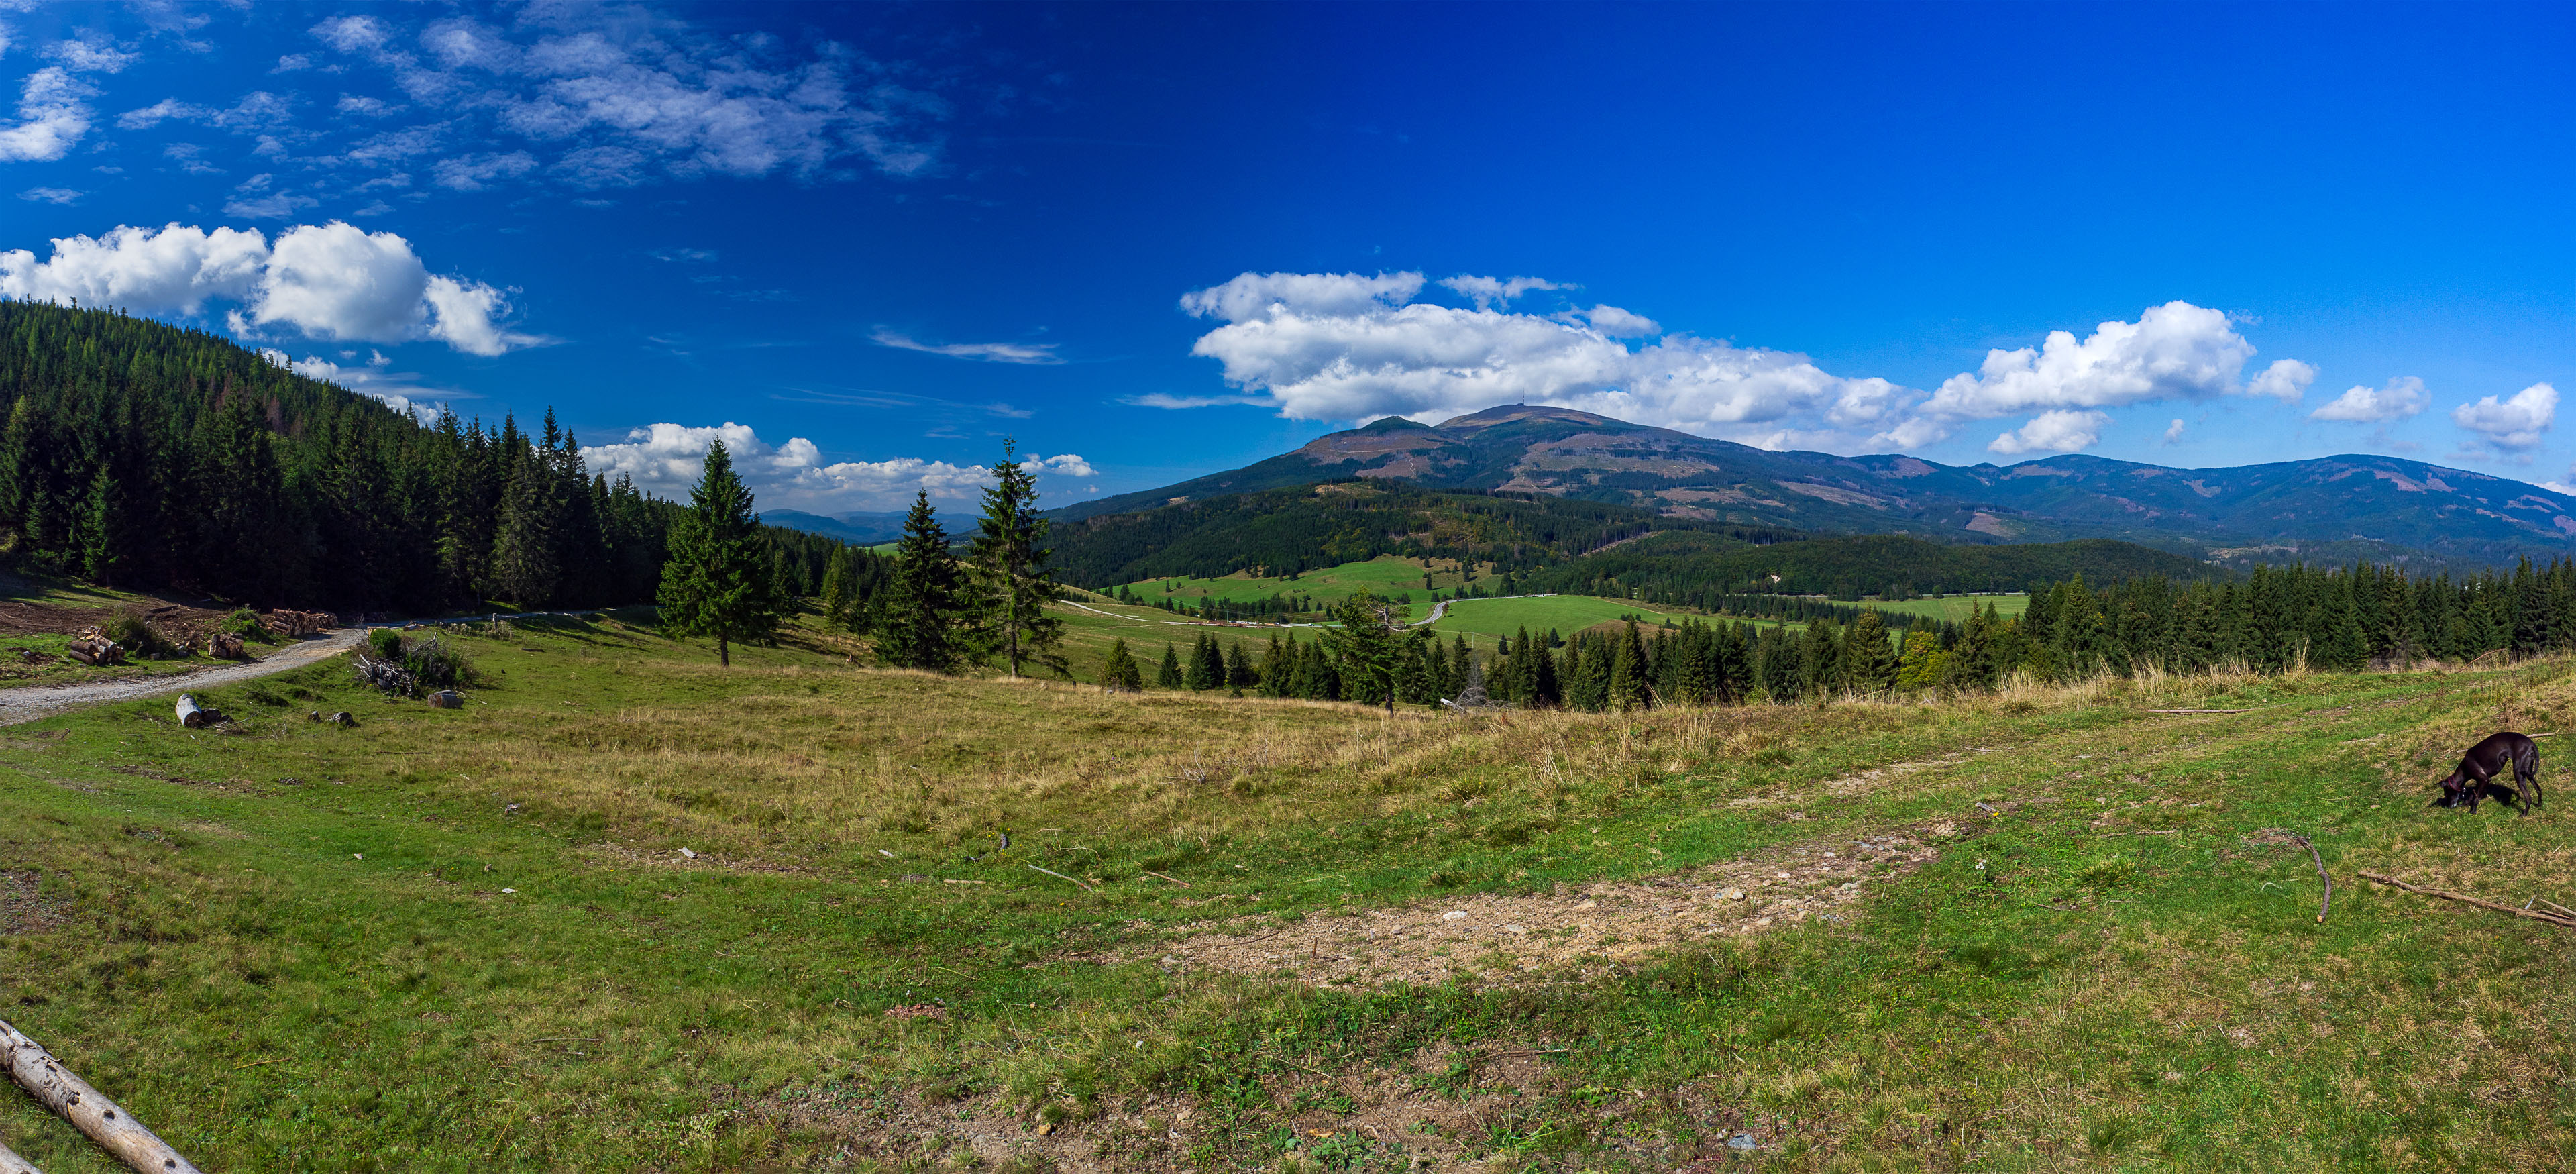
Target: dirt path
[35, 701]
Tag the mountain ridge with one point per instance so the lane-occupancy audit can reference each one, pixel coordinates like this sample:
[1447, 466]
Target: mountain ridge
[2325, 508]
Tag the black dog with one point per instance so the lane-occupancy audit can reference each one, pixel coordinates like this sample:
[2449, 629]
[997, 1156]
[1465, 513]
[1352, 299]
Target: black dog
[2475, 778]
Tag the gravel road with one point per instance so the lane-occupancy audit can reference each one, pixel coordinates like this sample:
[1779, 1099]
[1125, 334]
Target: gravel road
[35, 701]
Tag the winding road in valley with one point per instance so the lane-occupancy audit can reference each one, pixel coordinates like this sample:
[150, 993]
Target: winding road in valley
[35, 701]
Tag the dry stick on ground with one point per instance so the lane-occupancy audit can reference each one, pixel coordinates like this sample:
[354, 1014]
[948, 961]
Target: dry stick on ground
[2463, 898]
[2313, 854]
[2200, 711]
[1060, 876]
[11, 1163]
[73, 1100]
[1174, 880]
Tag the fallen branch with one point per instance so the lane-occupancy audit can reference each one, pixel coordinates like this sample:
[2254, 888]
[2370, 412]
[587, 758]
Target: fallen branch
[2200, 711]
[1173, 879]
[1060, 876]
[2313, 854]
[2465, 899]
[11, 1163]
[73, 1100]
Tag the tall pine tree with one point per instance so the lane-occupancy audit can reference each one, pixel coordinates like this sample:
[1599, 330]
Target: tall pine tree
[720, 580]
[1011, 572]
[920, 623]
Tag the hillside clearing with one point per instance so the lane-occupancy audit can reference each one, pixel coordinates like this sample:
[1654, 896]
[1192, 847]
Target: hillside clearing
[469, 940]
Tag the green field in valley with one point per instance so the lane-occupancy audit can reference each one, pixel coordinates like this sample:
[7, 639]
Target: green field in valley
[1954, 608]
[1567, 614]
[2037, 931]
[1385, 576]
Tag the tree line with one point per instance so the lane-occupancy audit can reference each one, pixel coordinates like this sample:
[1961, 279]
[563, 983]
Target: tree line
[139, 454]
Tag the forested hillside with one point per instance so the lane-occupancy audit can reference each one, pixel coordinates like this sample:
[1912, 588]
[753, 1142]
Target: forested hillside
[1285, 531]
[138, 454]
[1690, 569]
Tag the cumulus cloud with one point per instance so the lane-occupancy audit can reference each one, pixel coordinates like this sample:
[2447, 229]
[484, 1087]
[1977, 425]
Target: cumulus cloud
[2173, 351]
[1037, 354]
[51, 117]
[2512, 425]
[2404, 396]
[90, 55]
[1618, 323]
[2059, 430]
[2173, 433]
[330, 281]
[2285, 380]
[665, 460]
[1331, 346]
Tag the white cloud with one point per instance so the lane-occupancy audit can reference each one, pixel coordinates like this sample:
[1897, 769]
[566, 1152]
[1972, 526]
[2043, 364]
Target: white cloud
[51, 116]
[2285, 380]
[332, 281]
[91, 55]
[51, 195]
[2173, 433]
[470, 172]
[2511, 425]
[2173, 351]
[2060, 430]
[665, 460]
[1618, 323]
[1345, 346]
[373, 379]
[2403, 397]
[1487, 292]
[1037, 354]
[1254, 295]
[353, 34]
[615, 100]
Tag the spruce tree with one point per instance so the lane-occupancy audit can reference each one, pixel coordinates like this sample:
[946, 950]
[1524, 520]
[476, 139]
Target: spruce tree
[1120, 672]
[1010, 560]
[1628, 672]
[1207, 665]
[719, 581]
[104, 533]
[918, 625]
[1367, 646]
[1239, 673]
[1169, 676]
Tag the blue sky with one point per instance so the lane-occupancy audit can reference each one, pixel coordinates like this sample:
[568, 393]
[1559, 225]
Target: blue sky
[1154, 241]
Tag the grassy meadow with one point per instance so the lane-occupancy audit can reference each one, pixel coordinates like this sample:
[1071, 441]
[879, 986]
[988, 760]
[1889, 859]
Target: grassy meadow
[471, 940]
[1954, 608]
[1384, 575]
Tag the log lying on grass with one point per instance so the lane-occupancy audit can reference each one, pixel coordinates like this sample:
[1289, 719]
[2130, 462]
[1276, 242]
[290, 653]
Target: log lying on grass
[224, 646]
[97, 650]
[447, 699]
[194, 716]
[97, 1117]
[11, 1163]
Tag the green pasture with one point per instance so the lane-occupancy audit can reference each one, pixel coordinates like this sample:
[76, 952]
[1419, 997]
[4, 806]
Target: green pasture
[1954, 608]
[1385, 575]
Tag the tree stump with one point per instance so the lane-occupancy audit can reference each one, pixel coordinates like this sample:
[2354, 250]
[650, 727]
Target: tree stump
[194, 716]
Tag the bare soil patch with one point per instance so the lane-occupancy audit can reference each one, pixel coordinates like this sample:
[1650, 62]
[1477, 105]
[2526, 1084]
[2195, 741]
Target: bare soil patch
[1575, 932]
[25, 910]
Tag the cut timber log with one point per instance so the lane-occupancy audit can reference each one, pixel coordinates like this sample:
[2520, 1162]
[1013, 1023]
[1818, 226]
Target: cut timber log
[96, 650]
[97, 1117]
[224, 646]
[194, 716]
[447, 699]
[298, 623]
[11, 1163]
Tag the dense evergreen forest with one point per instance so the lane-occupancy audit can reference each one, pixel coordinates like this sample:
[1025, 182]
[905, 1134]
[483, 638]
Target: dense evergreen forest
[139, 454]
[1288, 531]
[1694, 570]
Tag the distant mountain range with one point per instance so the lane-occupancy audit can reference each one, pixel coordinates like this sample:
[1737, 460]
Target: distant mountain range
[857, 526]
[2327, 509]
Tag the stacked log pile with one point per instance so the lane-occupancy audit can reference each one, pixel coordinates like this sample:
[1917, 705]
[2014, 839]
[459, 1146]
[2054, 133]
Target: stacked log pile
[299, 623]
[92, 646]
[224, 646]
